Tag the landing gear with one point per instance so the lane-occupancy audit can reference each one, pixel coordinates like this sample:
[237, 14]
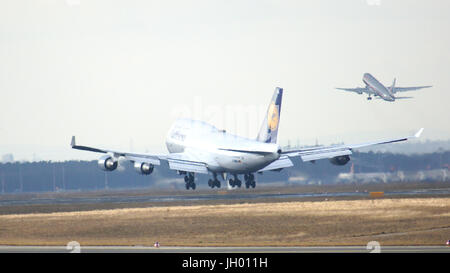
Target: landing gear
[369, 98]
[235, 182]
[189, 180]
[249, 180]
[214, 182]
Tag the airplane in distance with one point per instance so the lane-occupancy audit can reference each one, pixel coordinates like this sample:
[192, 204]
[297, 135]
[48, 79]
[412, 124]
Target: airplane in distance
[378, 90]
[198, 147]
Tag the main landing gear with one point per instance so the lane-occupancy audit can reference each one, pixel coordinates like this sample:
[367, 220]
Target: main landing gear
[235, 182]
[249, 180]
[214, 182]
[189, 180]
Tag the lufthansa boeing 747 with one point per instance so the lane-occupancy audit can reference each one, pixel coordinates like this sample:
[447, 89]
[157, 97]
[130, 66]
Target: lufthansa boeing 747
[198, 147]
[378, 90]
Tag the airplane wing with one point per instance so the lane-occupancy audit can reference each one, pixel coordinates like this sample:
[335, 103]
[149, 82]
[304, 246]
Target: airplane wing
[358, 90]
[397, 98]
[403, 89]
[401, 98]
[176, 161]
[321, 152]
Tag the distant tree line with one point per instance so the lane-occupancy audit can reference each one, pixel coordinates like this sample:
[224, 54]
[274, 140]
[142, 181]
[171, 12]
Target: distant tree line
[46, 176]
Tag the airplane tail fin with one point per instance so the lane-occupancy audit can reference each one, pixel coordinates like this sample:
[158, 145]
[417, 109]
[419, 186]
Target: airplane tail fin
[392, 88]
[269, 129]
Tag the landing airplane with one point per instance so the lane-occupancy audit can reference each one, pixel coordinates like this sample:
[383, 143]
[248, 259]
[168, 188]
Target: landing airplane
[198, 147]
[378, 90]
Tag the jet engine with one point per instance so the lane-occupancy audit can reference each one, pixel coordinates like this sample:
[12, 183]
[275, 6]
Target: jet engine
[340, 160]
[107, 163]
[143, 168]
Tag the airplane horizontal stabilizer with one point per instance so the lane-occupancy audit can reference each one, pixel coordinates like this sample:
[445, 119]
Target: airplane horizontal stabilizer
[247, 151]
[282, 162]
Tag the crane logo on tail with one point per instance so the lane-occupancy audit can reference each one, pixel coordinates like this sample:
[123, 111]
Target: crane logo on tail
[269, 128]
[273, 117]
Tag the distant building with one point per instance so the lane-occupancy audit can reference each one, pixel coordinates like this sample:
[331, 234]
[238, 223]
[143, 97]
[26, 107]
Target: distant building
[7, 158]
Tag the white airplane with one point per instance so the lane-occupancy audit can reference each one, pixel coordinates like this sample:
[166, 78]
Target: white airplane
[378, 90]
[198, 147]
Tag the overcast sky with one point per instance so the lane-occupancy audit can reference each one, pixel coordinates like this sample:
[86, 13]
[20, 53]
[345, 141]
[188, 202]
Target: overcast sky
[118, 73]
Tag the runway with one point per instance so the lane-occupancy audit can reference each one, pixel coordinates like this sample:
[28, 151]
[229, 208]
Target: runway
[234, 250]
[112, 197]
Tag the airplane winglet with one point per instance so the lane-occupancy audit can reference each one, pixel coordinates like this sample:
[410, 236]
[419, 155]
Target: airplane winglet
[85, 148]
[419, 133]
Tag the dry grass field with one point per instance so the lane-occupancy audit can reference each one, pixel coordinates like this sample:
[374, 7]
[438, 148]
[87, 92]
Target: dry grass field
[400, 221]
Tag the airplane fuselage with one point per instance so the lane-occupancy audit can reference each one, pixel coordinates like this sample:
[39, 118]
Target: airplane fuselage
[377, 88]
[221, 151]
